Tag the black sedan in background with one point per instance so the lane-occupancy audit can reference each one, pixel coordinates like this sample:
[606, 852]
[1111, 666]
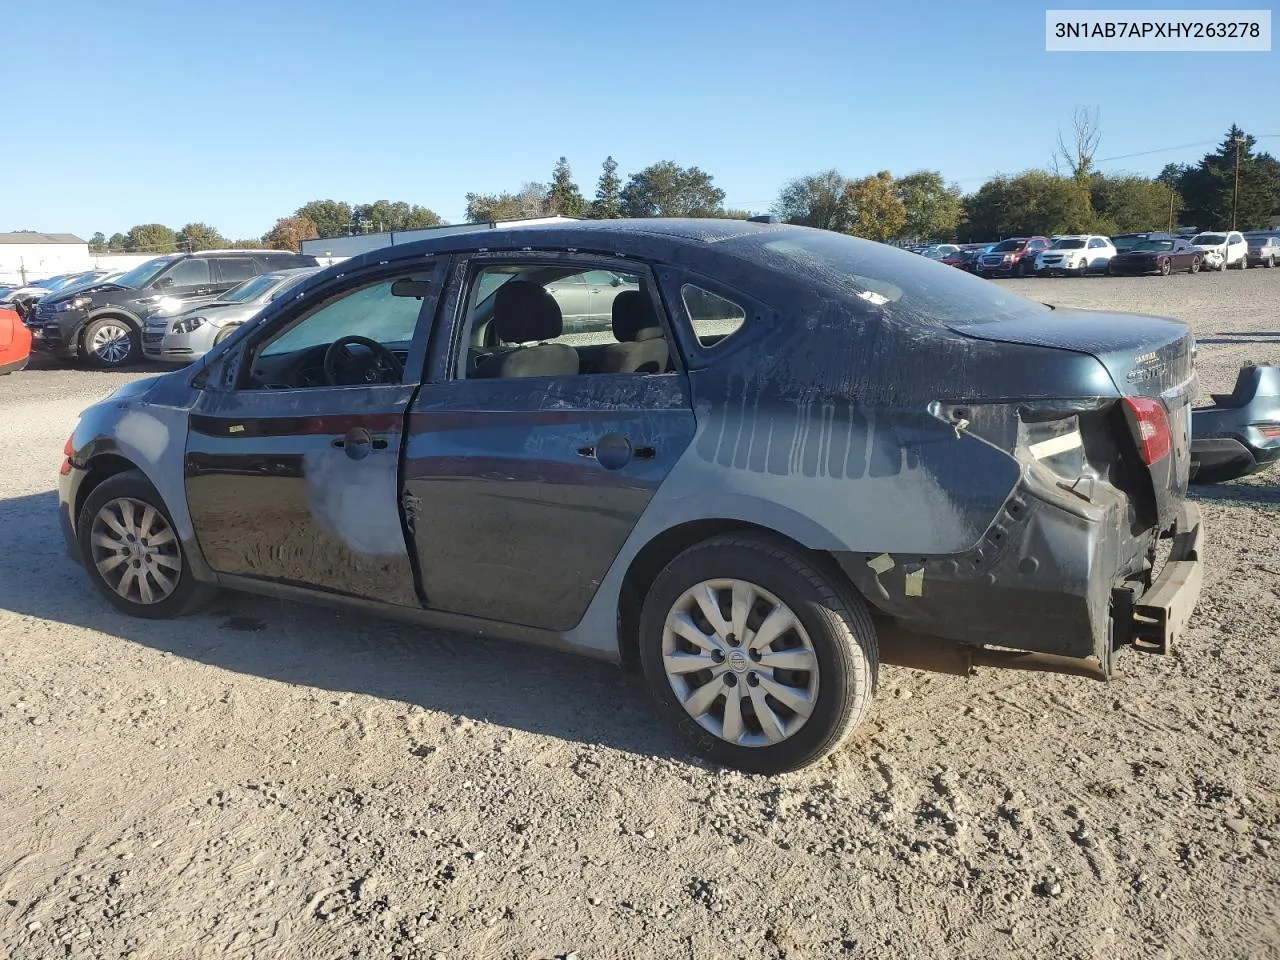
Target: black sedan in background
[1157, 256]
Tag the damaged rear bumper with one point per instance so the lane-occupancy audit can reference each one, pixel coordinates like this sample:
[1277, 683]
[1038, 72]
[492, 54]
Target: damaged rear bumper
[1060, 577]
[1155, 620]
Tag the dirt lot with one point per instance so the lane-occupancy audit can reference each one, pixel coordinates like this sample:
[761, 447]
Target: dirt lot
[267, 780]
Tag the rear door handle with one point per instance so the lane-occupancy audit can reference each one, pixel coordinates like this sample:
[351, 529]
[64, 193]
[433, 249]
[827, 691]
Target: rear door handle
[358, 443]
[614, 451]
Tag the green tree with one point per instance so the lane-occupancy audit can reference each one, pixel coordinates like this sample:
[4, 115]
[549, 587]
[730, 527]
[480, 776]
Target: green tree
[933, 208]
[1127, 203]
[608, 202]
[289, 232]
[531, 201]
[564, 198]
[382, 215]
[331, 217]
[1209, 188]
[199, 236]
[150, 238]
[666, 189]
[98, 241]
[816, 200]
[878, 214]
[1031, 203]
[253, 243]
[117, 241]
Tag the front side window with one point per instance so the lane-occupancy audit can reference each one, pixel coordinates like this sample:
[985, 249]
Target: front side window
[374, 312]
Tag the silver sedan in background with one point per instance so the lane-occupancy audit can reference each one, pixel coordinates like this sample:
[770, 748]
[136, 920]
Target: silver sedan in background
[192, 333]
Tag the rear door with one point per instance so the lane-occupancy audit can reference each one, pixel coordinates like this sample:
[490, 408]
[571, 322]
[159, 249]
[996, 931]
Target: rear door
[521, 492]
[292, 470]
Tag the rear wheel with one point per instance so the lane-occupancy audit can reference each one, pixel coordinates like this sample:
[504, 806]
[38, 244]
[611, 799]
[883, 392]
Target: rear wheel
[1243, 264]
[1166, 267]
[1195, 264]
[132, 552]
[1271, 262]
[763, 661]
[110, 342]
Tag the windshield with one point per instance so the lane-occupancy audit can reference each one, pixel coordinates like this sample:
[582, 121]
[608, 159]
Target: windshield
[1208, 239]
[143, 273]
[1257, 243]
[1006, 245]
[1068, 244]
[251, 289]
[1153, 245]
[896, 283]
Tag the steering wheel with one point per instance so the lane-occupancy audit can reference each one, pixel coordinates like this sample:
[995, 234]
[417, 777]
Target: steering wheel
[373, 368]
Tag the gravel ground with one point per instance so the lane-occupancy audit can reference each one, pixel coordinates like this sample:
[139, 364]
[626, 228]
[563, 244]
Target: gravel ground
[269, 780]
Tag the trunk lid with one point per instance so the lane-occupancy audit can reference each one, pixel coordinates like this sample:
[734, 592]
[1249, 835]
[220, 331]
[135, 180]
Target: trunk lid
[1144, 357]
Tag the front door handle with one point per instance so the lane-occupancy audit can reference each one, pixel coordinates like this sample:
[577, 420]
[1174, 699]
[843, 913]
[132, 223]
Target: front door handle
[359, 443]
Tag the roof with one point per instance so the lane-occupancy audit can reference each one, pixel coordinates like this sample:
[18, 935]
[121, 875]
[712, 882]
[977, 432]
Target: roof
[24, 237]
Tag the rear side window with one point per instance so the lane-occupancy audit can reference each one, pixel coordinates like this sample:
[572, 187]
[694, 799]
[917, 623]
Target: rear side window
[713, 317]
[236, 269]
[189, 273]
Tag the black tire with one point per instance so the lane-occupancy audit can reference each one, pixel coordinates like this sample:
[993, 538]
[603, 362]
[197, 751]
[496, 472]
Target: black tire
[112, 351]
[1110, 272]
[1271, 262]
[1166, 267]
[1195, 265]
[1244, 264]
[833, 616]
[225, 332]
[132, 485]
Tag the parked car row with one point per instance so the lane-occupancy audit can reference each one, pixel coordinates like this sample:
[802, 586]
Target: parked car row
[104, 321]
[1131, 253]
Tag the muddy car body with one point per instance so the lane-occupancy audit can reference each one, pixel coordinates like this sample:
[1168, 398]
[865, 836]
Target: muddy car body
[799, 453]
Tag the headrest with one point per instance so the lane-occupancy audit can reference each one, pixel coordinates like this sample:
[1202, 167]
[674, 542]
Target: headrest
[523, 311]
[633, 318]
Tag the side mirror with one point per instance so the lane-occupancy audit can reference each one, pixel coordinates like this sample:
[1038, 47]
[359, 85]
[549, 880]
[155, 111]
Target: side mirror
[164, 283]
[616, 281]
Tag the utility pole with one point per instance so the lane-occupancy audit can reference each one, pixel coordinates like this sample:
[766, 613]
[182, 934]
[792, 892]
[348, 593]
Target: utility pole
[1171, 209]
[1235, 193]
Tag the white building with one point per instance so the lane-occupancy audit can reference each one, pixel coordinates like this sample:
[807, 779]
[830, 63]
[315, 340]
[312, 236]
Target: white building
[26, 257]
[332, 249]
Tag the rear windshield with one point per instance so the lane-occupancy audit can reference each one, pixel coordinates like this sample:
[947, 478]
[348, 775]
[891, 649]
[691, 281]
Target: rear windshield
[896, 283]
[1208, 239]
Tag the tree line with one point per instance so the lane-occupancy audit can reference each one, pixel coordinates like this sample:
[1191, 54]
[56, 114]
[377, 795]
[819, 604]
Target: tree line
[918, 206]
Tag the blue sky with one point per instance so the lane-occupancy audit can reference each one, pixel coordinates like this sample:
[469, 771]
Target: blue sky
[235, 113]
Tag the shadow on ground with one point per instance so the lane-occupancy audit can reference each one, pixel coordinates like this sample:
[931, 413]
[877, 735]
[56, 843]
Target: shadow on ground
[528, 688]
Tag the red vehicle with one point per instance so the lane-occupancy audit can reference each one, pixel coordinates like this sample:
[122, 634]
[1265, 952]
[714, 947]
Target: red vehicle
[1015, 257]
[15, 342]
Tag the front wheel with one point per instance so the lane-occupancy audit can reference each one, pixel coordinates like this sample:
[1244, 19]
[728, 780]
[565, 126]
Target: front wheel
[763, 661]
[1271, 262]
[132, 551]
[110, 342]
[1166, 267]
[225, 332]
[1195, 264]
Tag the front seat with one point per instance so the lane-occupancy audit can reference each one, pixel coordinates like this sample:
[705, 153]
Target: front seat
[524, 312]
[641, 346]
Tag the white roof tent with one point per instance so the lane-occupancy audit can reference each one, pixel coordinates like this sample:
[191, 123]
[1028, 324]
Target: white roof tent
[338, 248]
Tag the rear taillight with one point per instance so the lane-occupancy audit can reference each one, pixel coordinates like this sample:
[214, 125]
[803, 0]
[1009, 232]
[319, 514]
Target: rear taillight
[1269, 431]
[1150, 426]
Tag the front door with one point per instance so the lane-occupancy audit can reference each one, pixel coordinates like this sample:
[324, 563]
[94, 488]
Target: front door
[292, 476]
[521, 491]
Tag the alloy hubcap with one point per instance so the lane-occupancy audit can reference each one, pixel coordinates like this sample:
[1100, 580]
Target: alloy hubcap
[111, 343]
[135, 550]
[740, 662]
